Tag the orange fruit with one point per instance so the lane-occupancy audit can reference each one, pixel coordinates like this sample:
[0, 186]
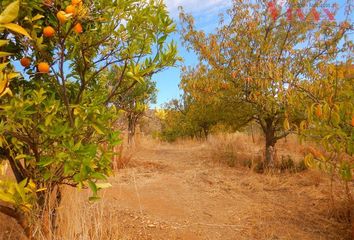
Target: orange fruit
[70, 9]
[353, 121]
[61, 15]
[48, 31]
[76, 2]
[78, 28]
[25, 62]
[43, 67]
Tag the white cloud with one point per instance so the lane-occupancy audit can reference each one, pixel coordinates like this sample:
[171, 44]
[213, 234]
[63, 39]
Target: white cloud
[196, 6]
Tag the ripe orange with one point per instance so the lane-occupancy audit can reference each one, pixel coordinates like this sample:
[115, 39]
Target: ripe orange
[25, 62]
[48, 31]
[70, 9]
[61, 15]
[78, 28]
[43, 67]
[76, 2]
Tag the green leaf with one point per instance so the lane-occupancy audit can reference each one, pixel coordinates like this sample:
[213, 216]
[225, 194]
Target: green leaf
[10, 13]
[21, 189]
[103, 185]
[94, 198]
[6, 197]
[16, 28]
[37, 17]
[345, 171]
[7, 91]
[286, 124]
[97, 128]
[5, 54]
[3, 65]
[41, 189]
[48, 120]
[3, 42]
[98, 176]
[335, 118]
[12, 75]
[93, 186]
[20, 156]
[46, 161]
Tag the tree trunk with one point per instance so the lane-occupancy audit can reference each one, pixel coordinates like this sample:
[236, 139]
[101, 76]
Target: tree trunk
[16, 167]
[206, 132]
[270, 142]
[131, 129]
[252, 133]
[50, 201]
[21, 219]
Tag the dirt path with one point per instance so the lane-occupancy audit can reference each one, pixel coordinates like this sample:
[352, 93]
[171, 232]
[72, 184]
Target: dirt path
[176, 192]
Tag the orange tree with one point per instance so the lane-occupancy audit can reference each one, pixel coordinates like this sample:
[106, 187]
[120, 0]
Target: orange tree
[57, 116]
[263, 60]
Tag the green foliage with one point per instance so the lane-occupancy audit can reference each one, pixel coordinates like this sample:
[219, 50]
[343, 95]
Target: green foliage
[58, 128]
[21, 195]
[7, 16]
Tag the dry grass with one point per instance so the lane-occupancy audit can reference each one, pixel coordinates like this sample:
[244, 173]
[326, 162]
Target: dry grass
[79, 219]
[240, 149]
[124, 154]
[235, 149]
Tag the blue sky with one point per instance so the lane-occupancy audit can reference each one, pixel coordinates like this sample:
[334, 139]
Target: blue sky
[206, 14]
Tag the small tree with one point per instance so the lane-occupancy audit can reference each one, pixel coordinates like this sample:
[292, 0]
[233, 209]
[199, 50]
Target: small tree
[207, 100]
[58, 127]
[212, 100]
[134, 102]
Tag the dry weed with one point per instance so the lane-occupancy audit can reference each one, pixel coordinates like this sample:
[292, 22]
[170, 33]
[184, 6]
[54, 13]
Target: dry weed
[241, 149]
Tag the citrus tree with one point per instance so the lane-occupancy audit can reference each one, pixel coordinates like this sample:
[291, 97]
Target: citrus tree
[57, 117]
[263, 59]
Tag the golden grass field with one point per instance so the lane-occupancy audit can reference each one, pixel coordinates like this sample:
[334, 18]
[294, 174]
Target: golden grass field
[203, 190]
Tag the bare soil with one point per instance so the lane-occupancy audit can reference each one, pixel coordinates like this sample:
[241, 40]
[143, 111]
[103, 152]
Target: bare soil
[178, 192]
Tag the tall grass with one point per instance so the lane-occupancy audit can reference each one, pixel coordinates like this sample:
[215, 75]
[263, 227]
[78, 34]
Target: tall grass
[82, 220]
[241, 149]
